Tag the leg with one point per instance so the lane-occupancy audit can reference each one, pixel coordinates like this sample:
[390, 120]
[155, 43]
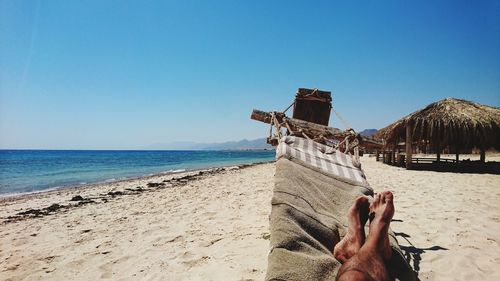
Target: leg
[369, 262]
[355, 237]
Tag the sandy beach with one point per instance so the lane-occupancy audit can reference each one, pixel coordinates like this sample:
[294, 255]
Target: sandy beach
[213, 225]
[448, 223]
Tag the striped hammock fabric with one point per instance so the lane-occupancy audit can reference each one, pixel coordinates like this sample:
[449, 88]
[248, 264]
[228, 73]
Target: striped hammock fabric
[324, 158]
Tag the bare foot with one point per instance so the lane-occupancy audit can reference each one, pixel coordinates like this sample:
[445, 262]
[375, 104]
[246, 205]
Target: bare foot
[355, 237]
[381, 213]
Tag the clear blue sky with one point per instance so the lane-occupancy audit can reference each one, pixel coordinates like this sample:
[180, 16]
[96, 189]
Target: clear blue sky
[126, 74]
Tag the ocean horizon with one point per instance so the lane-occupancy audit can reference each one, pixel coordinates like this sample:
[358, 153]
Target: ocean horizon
[30, 170]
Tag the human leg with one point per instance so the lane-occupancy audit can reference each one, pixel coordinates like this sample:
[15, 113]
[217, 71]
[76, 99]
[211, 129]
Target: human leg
[355, 236]
[369, 262]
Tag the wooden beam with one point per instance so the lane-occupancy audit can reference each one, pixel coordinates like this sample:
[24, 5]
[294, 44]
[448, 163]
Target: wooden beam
[482, 157]
[408, 142]
[311, 129]
[261, 116]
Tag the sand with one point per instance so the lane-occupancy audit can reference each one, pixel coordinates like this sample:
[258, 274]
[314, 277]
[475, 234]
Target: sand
[448, 223]
[211, 228]
[214, 226]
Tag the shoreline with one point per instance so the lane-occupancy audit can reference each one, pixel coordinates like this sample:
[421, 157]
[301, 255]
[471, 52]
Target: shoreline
[51, 202]
[14, 196]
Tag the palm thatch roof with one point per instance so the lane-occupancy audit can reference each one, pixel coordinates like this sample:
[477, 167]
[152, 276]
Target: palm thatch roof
[450, 122]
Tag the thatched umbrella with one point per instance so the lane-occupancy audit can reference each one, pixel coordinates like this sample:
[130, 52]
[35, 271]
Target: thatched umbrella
[456, 123]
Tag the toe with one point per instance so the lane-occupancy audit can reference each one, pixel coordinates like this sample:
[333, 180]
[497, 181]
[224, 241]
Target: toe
[387, 196]
[362, 201]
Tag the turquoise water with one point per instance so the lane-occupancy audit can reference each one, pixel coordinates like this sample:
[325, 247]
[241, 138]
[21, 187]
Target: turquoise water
[35, 170]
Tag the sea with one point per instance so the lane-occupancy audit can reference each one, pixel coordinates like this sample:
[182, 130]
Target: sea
[26, 171]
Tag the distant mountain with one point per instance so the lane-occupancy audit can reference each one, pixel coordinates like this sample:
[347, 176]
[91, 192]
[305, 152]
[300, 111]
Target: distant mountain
[230, 145]
[237, 145]
[368, 132]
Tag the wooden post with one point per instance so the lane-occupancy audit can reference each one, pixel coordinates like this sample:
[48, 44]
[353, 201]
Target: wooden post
[438, 147]
[482, 158]
[408, 142]
[377, 154]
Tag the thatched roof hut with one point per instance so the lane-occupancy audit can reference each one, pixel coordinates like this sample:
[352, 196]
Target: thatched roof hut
[450, 122]
[453, 123]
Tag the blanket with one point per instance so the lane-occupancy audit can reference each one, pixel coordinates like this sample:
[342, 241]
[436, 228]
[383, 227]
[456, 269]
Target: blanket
[314, 187]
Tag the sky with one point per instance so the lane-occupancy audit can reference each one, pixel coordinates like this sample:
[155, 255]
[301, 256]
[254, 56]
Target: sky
[128, 74]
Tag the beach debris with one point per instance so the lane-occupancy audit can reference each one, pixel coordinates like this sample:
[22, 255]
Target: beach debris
[155, 184]
[36, 212]
[215, 241]
[106, 197]
[135, 190]
[115, 193]
[50, 270]
[81, 200]
[54, 207]
[86, 201]
[77, 198]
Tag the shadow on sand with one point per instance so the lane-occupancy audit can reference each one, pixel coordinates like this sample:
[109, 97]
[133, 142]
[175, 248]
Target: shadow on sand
[413, 254]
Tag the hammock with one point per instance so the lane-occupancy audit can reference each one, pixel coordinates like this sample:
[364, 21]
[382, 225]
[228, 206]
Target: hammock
[314, 187]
